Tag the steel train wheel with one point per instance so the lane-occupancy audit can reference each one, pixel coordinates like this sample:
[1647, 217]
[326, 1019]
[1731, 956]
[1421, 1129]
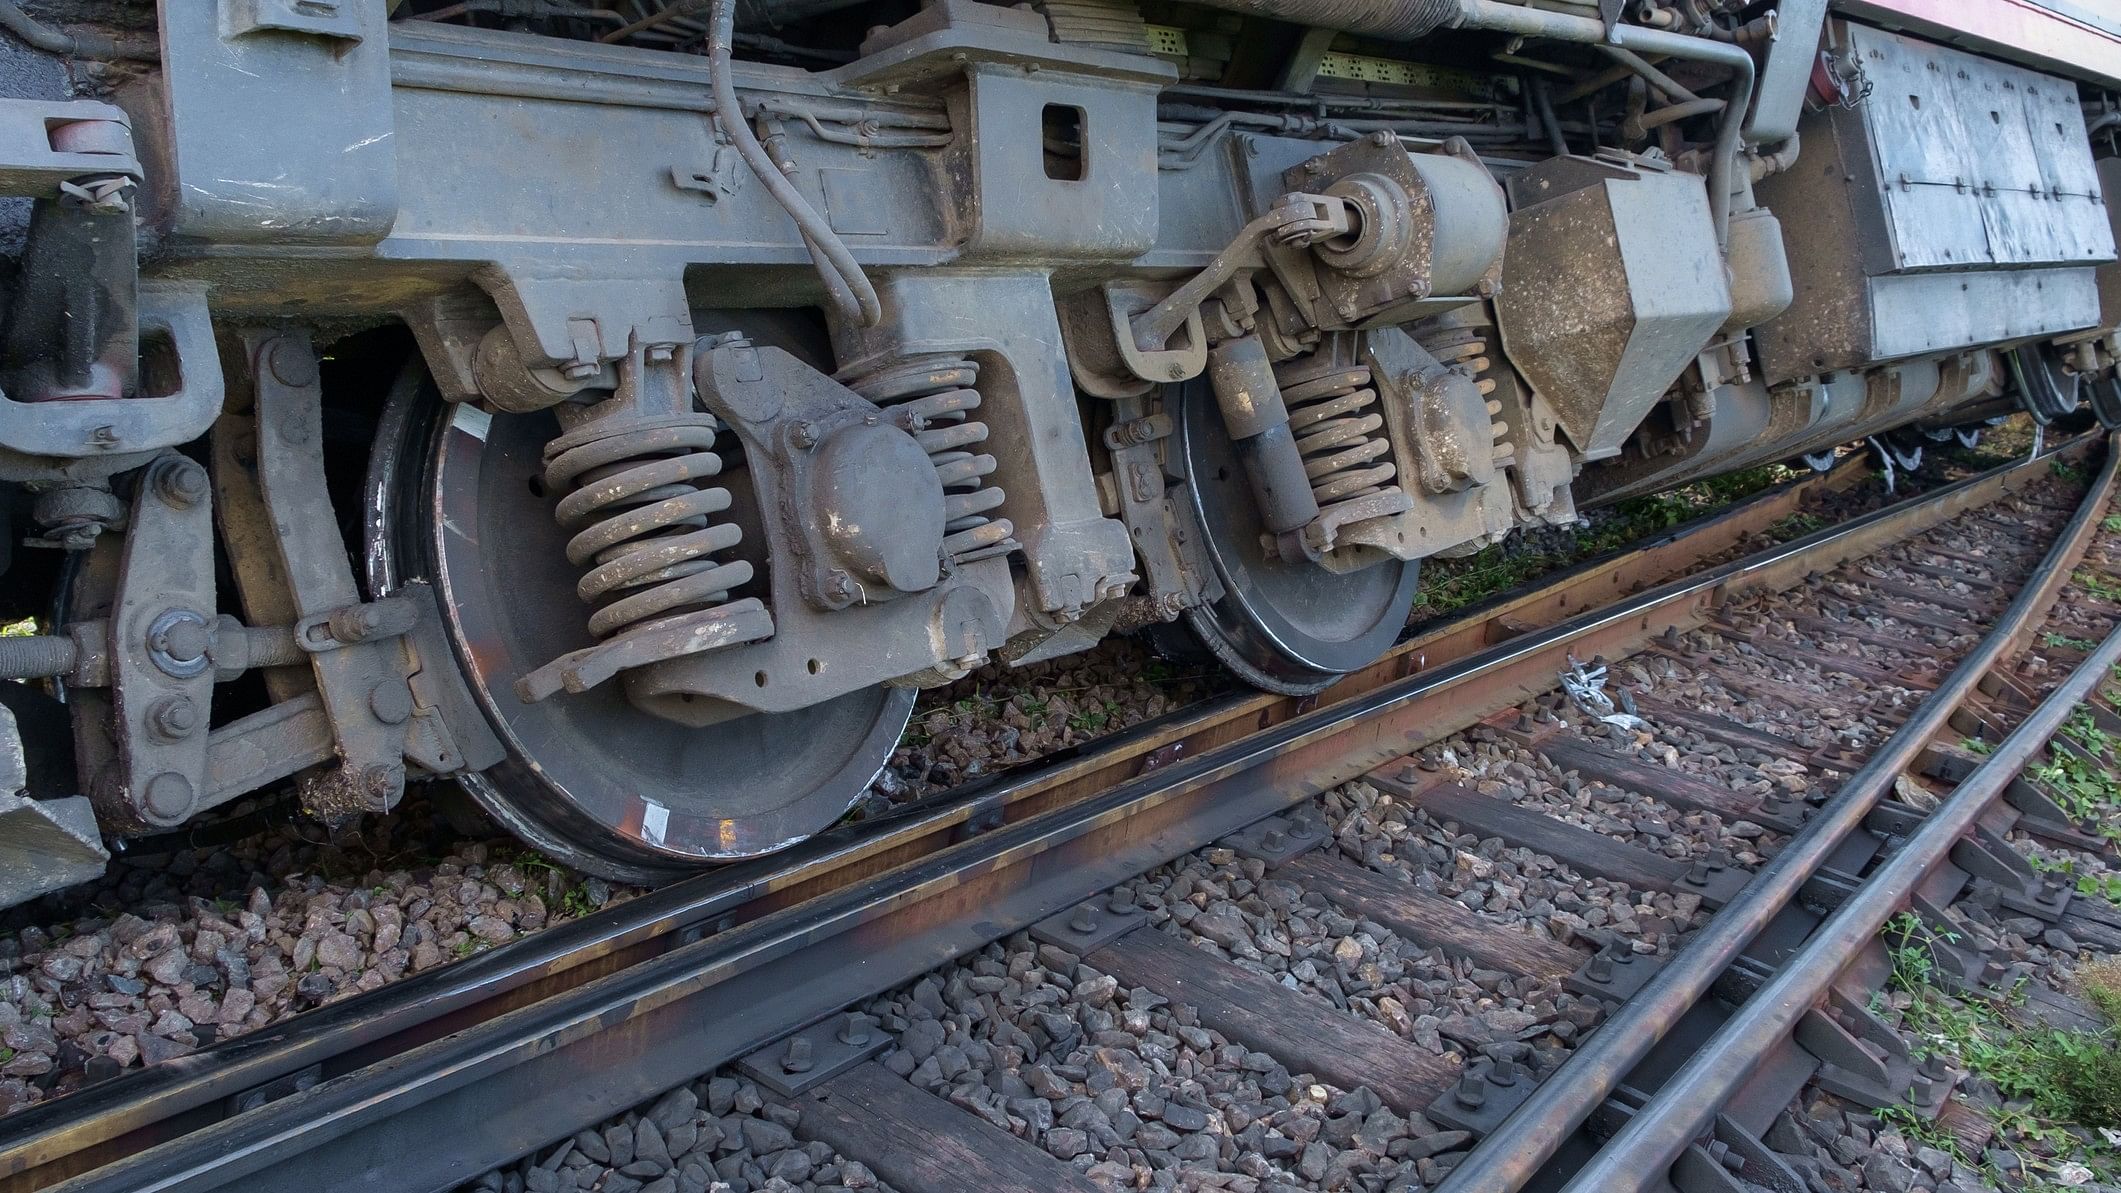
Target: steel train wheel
[589, 778]
[1287, 628]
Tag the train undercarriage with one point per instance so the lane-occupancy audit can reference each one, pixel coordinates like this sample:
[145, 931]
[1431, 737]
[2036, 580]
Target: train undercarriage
[626, 408]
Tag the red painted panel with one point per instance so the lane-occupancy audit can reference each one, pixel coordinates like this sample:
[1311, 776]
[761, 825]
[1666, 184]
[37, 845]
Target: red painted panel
[2017, 30]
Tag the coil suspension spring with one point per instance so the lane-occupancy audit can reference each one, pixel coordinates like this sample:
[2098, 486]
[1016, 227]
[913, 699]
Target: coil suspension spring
[937, 398]
[1467, 348]
[642, 518]
[1339, 433]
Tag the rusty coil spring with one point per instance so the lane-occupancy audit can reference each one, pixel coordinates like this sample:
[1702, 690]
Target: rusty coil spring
[935, 395]
[641, 518]
[1338, 434]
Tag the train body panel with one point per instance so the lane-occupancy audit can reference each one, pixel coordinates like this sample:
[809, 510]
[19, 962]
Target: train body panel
[723, 374]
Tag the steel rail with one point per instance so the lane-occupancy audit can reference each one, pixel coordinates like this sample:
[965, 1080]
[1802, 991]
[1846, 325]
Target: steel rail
[105, 1121]
[1531, 1136]
[669, 1005]
[1638, 1156]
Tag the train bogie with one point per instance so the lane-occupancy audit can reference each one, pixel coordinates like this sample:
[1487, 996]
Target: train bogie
[626, 408]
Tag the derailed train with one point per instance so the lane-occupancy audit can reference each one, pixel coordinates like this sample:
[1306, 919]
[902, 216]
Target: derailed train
[626, 406]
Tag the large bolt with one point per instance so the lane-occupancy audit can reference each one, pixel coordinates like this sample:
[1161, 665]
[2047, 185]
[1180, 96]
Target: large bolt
[168, 797]
[839, 586]
[184, 639]
[854, 1029]
[390, 701]
[181, 483]
[797, 1058]
[1273, 840]
[803, 434]
[1472, 1091]
[356, 623]
[1120, 902]
[1084, 921]
[291, 363]
[173, 718]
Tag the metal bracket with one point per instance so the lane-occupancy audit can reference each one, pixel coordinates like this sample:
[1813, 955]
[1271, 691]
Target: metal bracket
[283, 1086]
[1615, 973]
[362, 683]
[816, 1054]
[1091, 924]
[333, 19]
[161, 628]
[2019, 887]
[1716, 882]
[2044, 817]
[1278, 839]
[173, 312]
[1862, 1058]
[1484, 1096]
[720, 180]
[1732, 1161]
[45, 144]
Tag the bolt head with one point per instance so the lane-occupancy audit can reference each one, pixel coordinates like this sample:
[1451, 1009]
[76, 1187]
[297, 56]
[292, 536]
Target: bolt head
[173, 718]
[798, 1058]
[581, 370]
[168, 797]
[185, 639]
[1084, 921]
[292, 363]
[390, 702]
[182, 484]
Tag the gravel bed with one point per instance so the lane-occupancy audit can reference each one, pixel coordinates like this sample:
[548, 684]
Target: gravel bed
[168, 953]
[1276, 928]
[1517, 887]
[720, 1134]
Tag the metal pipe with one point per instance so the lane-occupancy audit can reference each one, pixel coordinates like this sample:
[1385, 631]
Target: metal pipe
[1663, 82]
[1510, 1156]
[1643, 1152]
[1538, 22]
[855, 297]
[1672, 112]
[38, 35]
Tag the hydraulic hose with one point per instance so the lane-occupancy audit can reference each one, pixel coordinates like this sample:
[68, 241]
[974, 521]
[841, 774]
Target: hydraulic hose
[845, 283]
[40, 36]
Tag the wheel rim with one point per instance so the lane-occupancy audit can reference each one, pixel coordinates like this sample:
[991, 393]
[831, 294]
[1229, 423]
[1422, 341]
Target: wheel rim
[1288, 628]
[589, 778]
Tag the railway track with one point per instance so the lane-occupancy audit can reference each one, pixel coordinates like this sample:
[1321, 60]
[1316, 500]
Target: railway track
[1724, 816]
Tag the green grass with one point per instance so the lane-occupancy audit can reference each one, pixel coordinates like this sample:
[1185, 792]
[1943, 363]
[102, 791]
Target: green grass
[2064, 640]
[2049, 1079]
[2098, 585]
[2112, 522]
[1452, 584]
[2083, 789]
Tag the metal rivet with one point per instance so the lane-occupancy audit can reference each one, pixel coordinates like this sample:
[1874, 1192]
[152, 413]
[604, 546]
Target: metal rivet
[168, 796]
